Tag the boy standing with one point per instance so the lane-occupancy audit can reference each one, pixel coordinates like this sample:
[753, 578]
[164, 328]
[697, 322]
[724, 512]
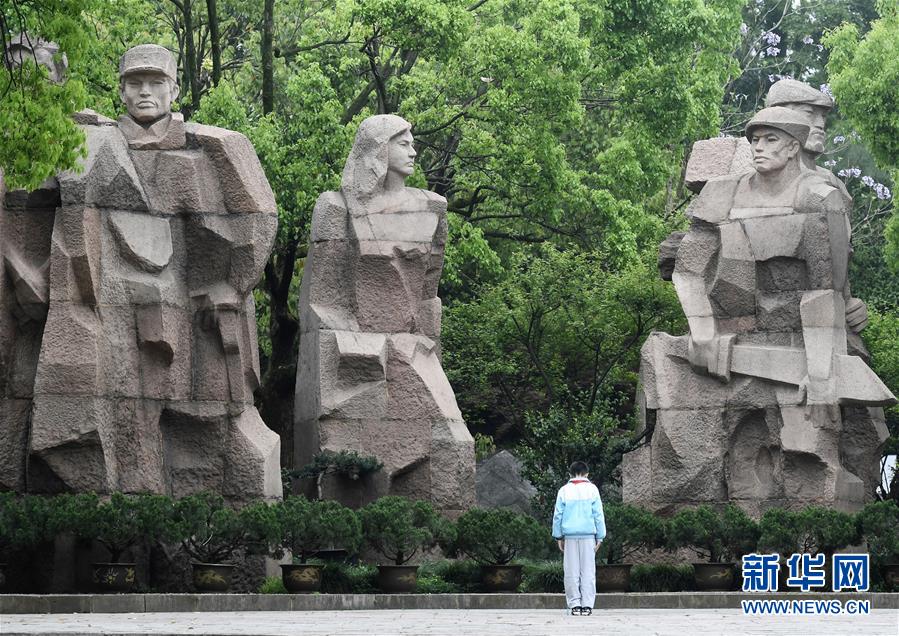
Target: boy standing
[579, 527]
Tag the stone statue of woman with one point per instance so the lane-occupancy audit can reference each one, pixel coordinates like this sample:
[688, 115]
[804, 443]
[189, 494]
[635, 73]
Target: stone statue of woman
[369, 377]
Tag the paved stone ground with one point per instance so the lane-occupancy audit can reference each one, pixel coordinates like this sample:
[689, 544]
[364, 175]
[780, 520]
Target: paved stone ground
[454, 623]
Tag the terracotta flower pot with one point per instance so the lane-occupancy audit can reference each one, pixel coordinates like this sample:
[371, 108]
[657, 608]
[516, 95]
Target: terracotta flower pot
[713, 577]
[615, 577]
[114, 577]
[397, 579]
[500, 578]
[302, 578]
[212, 577]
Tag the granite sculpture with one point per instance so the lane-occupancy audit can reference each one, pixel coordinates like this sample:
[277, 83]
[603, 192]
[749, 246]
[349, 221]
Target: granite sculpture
[764, 403]
[26, 223]
[369, 377]
[142, 378]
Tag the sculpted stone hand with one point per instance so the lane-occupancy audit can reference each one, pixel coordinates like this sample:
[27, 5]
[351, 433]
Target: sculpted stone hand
[711, 355]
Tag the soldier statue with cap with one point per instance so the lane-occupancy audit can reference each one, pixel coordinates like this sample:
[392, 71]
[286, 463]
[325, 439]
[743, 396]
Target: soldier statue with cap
[149, 360]
[815, 105]
[761, 404]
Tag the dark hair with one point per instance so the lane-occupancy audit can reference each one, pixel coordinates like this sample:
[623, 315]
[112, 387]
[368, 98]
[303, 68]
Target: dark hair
[578, 468]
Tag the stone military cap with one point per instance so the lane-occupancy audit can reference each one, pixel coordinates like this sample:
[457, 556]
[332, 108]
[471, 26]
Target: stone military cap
[790, 91]
[149, 58]
[789, 121]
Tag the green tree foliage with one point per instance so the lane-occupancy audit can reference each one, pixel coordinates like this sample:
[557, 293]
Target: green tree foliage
[120, 524]
[716, 536]
[39, 136]
[553, 440]
[397, 528]
[863, 75]
[560, 329]
[25, 522]
[496, 536]
[305, 527]
[882, 339]
[629, 529]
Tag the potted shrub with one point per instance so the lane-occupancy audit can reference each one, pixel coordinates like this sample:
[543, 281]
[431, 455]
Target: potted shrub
[210, 533]
[629, 529]
[119, 524]
[878, 523]
[494, 538]
[719, 538]
[780, 532]
[825, 531]
[24, 523]
[350, 470]
[304, 528]
[397, 529]
[813, 530]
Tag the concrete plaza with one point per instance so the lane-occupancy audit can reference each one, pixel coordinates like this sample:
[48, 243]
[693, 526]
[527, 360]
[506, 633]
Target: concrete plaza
[679, 622]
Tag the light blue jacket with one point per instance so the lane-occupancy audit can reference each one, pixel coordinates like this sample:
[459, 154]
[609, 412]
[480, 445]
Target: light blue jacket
[578, 513]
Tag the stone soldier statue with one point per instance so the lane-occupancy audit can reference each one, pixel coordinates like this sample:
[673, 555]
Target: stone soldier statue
[149, 358]
[754, 406]
[26, 222]
[816, 105]
[370, 377]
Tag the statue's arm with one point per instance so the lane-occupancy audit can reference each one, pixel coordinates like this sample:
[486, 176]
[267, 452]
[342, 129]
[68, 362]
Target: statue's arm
[430, 306]
[708, 351]
[230, 250]
[823, 307]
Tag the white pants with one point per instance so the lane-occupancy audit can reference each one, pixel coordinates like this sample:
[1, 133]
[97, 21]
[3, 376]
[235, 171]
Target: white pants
[580, 572]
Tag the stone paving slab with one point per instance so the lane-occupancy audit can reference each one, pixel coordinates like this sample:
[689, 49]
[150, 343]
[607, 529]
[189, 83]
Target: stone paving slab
[131, 603]
[679, 622]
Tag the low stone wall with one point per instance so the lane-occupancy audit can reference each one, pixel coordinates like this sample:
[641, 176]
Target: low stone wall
[139, 603]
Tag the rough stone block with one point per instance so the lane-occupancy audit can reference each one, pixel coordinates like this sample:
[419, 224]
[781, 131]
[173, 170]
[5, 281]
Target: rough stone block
[14, 429]
[668, 254]
[108, 177]
[241, 176]
[452, 465]
[688, 456]
[252, 461]
[500, 484]
[717, 157]
[70, 437]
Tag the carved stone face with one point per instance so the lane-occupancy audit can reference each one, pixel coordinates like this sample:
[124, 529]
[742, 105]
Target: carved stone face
[148, 95]
[772, 149]
[817, 120]
[401, 154]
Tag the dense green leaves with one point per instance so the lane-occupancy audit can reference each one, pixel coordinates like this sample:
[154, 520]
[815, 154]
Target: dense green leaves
[38, 135]
[305, 527]
[716, 536]
[629, 530]
[397, 528]
[496, 536]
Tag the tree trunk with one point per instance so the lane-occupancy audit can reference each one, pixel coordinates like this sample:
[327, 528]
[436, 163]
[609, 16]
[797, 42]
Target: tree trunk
[268, 69]
[215, 41]
[276, 395]
[190, 64]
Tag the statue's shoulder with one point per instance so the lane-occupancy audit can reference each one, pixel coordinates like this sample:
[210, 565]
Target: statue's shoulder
[716, 199]
[244, 184]
[816, 192]
[434, 202]
[204, 133]
[329, 217]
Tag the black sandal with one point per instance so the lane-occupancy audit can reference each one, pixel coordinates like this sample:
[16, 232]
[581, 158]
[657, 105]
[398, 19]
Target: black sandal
[586, 611]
